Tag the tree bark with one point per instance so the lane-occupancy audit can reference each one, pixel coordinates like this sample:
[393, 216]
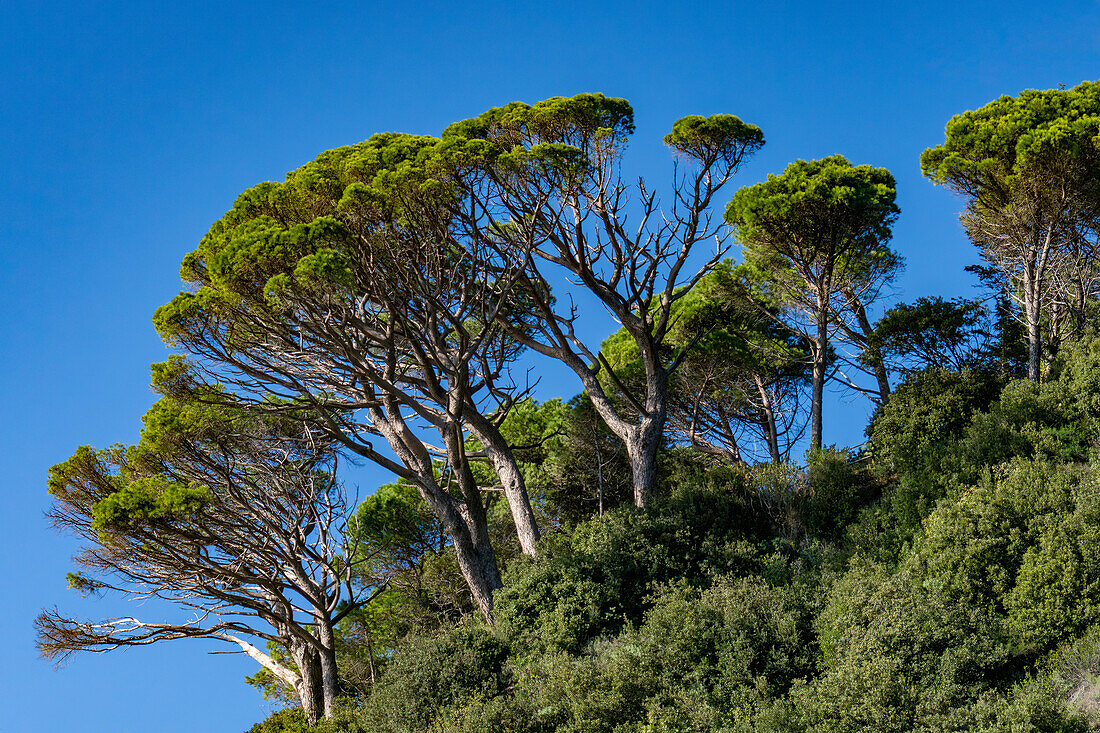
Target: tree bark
[330, 683]
[771, 432]
[477, 562]
[476, 557]
[310, 687]
[821, 351]
[641, 447]
[511, 479]
[464, 522]
[1034, 330]
[874, 356]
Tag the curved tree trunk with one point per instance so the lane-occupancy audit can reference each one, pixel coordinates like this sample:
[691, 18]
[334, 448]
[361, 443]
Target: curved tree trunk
[511, 479]
[476, 557]
[872, 354]
[464, 521]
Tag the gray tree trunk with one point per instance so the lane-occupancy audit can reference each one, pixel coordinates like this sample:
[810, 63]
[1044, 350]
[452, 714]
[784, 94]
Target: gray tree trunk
[330, 683]
[771, 431]
[642, 442]
[310, 685]
[1034, 331]
[511, 479]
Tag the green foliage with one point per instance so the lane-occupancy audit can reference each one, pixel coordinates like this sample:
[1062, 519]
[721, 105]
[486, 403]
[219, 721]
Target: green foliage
[839, 489]
[818, 501]
[537, 433]
[393, 526]
[147, 501]
[580, 120]
[430, 674]
[1079, 385]
[853, 204]
[293, 720]
[717, 136]
[1057, 590]
[721, 653]
[727, 351]
[1002, 139]
[681, 618]
[911, 435]
[946, 580]
[931, 332]
[943, 430]
[282, 241]
[944, 642]
[601, 578]
[287, 720]
[974, 546]
[586, 469]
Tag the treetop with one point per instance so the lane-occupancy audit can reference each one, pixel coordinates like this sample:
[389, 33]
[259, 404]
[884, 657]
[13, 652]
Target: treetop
[575, 120]
[1002, 136]
[830, 191]
[712, 137]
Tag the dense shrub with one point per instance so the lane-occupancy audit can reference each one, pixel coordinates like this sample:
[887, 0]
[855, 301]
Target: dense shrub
[600, 577]
[913, 434]
[839, 489]
[949, 580]
[430, 674]
[995, 578]
[287, 720]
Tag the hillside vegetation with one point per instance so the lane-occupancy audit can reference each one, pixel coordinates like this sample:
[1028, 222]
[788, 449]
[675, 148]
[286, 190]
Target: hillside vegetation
[678, 547]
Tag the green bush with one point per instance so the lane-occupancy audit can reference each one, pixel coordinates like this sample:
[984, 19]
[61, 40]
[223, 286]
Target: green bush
[701, 660]
[972, 548]
[599, 578]
[1057, 590]
[949, 580]
[287, 720]
[839, 489]
[996, 577]
[722, 653]
[894, 654]
[914, 433]
[430, 674]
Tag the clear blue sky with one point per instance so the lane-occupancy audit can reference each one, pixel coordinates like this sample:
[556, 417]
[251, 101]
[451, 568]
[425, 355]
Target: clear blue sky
[127, 128]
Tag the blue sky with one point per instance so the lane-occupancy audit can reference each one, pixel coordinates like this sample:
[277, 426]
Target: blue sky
[127, 128]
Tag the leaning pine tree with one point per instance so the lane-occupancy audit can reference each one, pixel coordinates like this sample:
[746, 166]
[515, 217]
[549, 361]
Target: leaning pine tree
[347, 288]
[234, 517]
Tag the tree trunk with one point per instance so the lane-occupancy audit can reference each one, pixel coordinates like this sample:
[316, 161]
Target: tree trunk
[478, 564]
[476, 557]
[465, 523]
[519, 503]
[771, 432]
[310, 686]
[872, 354]
[820, 355]
[1034, 330]
[329, 678]
[511, 479]
[641, 447]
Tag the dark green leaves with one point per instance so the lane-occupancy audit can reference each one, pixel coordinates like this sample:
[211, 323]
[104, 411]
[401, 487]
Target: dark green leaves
[1002, 138]
[573, 120]
[717, 136]
[148, 500]
[815, 213]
